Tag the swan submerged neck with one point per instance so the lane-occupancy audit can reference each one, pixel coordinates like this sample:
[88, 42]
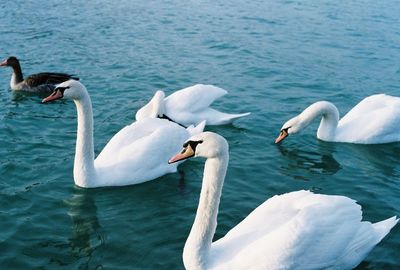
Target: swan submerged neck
[154, 108]
[84, 172]
[197, 247]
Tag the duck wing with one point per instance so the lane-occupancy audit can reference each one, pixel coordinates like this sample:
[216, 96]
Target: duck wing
[53, 78]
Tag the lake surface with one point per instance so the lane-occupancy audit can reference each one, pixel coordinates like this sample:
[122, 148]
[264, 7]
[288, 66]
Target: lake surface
[274, 57]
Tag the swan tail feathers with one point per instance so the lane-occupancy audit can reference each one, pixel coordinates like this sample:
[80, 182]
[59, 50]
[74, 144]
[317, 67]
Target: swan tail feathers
[382, 228]
[367, 237]
[229, 118]
[193, 130]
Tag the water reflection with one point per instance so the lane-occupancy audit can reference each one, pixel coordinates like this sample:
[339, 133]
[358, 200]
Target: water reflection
[87, 233]
[384, 157]
[299, 161]
[20, 96]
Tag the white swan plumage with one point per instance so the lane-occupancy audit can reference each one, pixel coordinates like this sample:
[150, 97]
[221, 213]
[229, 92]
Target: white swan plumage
[296, 230]
[188, 106]
[137, 153]
[376, 119]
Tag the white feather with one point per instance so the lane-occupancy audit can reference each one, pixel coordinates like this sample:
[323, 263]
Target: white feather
[296, 230]
[189, 106]
[137, 153]
[376, 119]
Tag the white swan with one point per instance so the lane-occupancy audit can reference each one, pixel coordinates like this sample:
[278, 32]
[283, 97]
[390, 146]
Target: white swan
[137, 153]
[376, 119]
[296, 230]
[188, 106]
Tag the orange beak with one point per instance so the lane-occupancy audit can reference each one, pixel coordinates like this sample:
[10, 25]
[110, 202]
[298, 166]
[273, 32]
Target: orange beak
[184, 154]
[282, 136]
[177, 158]
[55, 95]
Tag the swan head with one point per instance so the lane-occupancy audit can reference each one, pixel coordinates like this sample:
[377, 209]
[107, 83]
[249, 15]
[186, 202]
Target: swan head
[206, 144]
[11, 61]
[70, 89]
[292, 126]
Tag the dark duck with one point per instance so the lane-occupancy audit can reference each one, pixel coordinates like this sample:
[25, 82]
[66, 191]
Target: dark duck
[44, 82]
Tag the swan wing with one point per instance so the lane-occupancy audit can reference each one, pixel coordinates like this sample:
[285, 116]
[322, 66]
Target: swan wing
[140, 152]
[191, 105]
[297, 230]
[376, 119]
[193, 98]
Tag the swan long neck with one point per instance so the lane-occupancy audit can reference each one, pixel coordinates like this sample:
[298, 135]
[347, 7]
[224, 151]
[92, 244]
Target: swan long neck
[16, 76]
[197, 247]
[329, 121]
[84, 172]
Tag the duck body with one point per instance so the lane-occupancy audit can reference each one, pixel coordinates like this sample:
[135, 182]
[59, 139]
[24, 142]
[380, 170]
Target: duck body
[137, 153]
[375, 120]
[296, 230]
[189, 106]
[44, 82]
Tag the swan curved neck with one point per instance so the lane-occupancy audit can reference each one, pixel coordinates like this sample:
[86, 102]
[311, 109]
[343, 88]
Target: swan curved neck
[16, 76]
[84, 172]
[197, 247]
[329, 121]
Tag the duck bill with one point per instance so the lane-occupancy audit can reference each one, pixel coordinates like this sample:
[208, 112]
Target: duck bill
[185, 154]
[55, 95]
[281, 136]
[4, 63]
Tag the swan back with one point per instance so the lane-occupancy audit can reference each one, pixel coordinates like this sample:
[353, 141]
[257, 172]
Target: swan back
[140, 152]
[189, 106]
[193, 98]
[192, 105]
[376, 119]
[287, 231]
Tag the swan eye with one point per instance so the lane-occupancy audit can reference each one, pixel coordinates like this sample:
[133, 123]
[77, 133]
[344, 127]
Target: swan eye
[193, 145]
[61, 89]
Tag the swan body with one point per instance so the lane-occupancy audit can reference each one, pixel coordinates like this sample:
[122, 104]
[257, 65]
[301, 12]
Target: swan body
[376, 119]
[188, 106]
[137, 153]
[44, 82]
[296, 230]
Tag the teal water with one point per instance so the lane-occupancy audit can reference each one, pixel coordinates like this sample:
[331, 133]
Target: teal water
[274, 58]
